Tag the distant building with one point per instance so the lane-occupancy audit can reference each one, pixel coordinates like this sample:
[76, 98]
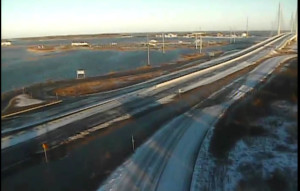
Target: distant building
[198, 34]
[113, 44]
[187, 36]
[180, 42]
[80, 44]
[219, 34]
[244, 34]
[211, 54]
[80, 74]
[170, 35]
[152, 42]
[6, 43]
[40, 46]
[158, 35]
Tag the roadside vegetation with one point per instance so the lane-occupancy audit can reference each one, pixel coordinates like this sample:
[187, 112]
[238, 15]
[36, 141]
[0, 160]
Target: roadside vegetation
[257, 137]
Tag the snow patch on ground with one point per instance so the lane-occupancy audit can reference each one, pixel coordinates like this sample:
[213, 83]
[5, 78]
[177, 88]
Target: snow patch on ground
[263, 153]
[25, 100]
[251, 156]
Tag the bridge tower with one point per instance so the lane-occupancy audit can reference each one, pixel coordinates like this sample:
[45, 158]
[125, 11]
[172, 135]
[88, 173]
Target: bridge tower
[296, 24]
[279, 20]
[292, 23]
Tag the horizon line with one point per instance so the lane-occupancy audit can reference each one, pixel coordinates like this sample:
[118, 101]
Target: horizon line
[115, 33]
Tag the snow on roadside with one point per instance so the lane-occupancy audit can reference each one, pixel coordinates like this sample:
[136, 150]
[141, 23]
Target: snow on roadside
[262, 155]
[179, 167]
[250, 156]
[25, 100]
[208, 175]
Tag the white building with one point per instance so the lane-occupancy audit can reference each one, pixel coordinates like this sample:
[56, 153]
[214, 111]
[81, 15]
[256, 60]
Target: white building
[170, 35]
[80, 74]
[244, 34]
[187, 36]
[5, 43]
[219, 34]
[211, 54]
[198, 34]
[80, 44]
[152, 42]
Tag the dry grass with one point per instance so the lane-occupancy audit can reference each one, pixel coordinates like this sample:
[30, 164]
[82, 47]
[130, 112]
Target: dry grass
[104, 85]
[44, 49]
[192, 56]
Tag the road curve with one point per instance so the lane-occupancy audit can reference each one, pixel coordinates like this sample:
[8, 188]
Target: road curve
[167, 160]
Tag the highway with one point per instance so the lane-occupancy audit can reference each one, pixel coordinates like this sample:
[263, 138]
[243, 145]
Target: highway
[74, 104]
[170, 86]
[170, 83]
[147, 98]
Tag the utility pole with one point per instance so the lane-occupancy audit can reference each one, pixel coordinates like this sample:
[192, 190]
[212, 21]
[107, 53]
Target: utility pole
[247, 32]
[163, 39]
[233, 36]
[230, 37]
[132, 141]
[196, 41]
[200, 44]
[279, 19]
[148, 63]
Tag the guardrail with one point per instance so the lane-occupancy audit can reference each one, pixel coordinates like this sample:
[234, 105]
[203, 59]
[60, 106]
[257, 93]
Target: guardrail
[286, 42]
[30, 109]
[191, 75]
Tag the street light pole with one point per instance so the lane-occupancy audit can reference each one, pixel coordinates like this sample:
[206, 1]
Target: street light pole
[163, 39]
[196, 41]
[148, 63]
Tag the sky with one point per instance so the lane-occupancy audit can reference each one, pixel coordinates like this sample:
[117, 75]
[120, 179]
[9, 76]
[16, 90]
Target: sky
[30, 18]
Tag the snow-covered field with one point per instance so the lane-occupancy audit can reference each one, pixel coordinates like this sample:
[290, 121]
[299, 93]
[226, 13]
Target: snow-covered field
[254, 162]
[253, 158]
